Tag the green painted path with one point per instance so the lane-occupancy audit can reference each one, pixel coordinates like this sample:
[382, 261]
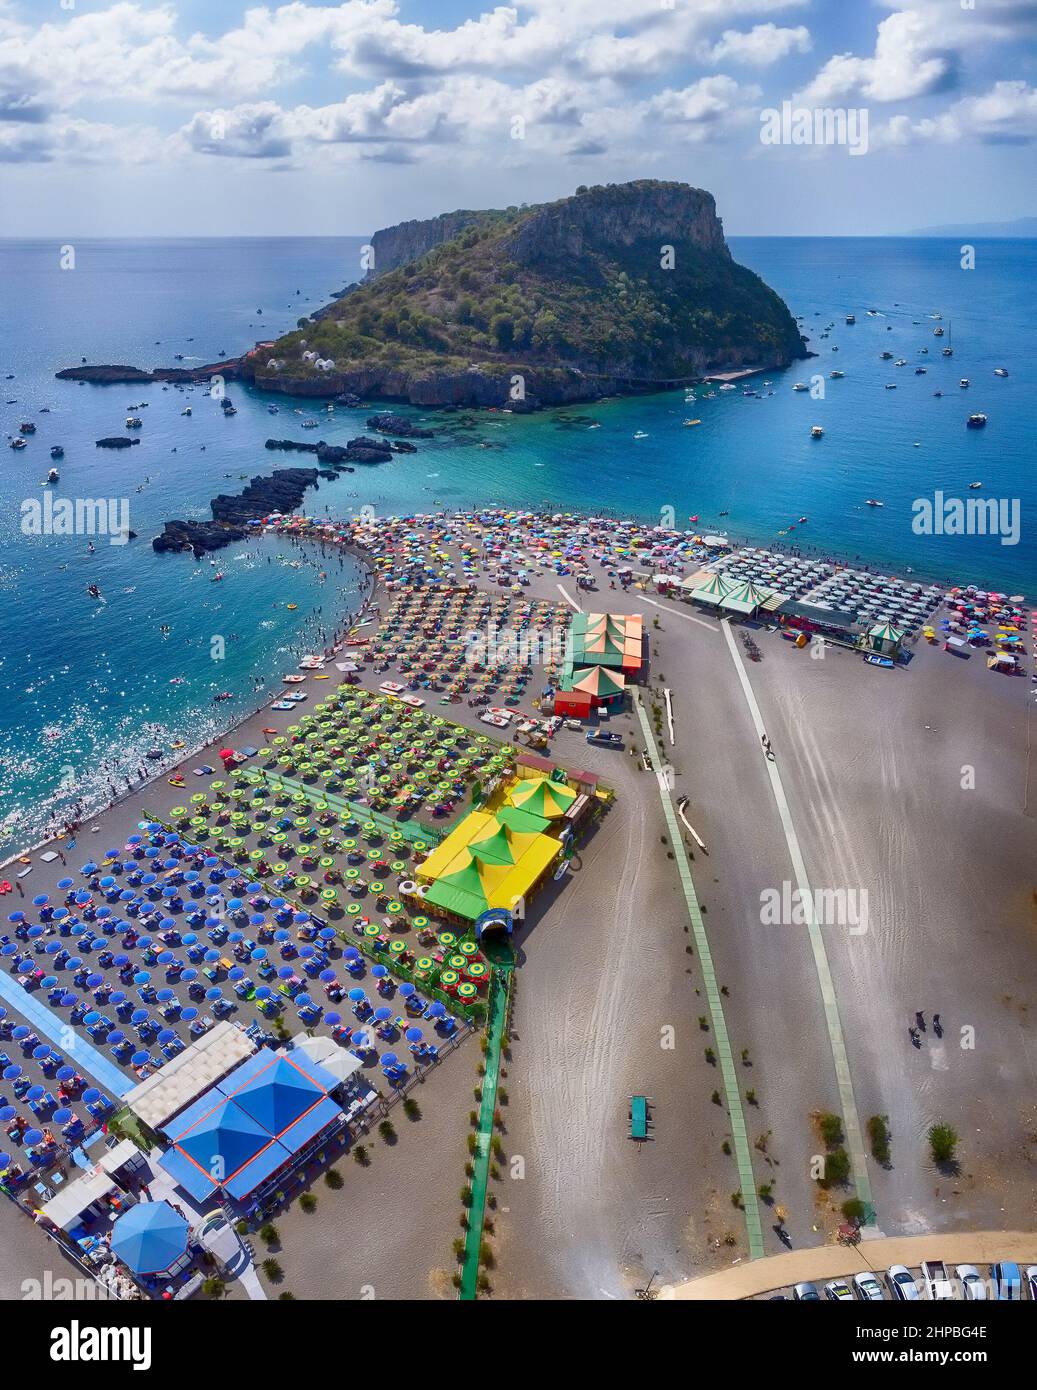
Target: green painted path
[497, 1015]
[356, 810]
[721, 1041]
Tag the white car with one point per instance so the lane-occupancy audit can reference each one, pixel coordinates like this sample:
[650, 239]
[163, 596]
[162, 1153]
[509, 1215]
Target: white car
[1031, 1279]
[973, 1286]
[838, 1291]
[868, 1288]
[901, 1283]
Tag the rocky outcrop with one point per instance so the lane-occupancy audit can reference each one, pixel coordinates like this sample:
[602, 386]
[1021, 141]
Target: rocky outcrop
[115, 376]
[115, 441]
[282, 491]
[359, 450]
[387, 423]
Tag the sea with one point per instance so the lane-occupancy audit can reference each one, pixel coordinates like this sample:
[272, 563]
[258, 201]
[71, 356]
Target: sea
[172, 654]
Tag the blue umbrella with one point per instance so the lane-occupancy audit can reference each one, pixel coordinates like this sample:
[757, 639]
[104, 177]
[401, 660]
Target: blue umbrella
[60, 913]
[381, 1014]
[150, 1237]
[40, 900]
[117, 996]
[108, 881]
[357, 994]
[139, 1058]
[90, 1095]
[360, 1040]
[17, 916]
[306, 951]
[66, 883]
[35, 1093]
[7, 1112]
[115, 1037]
[282, 935]
[138, 1015]
[413, 1035]
[303, 1000]
[164, 957]
[260, 953]
[407, 989]
[12, 1072]
[94, 980]
[32, 1137]
[35, 933]
[142, 977]
[148, 879]
[437, 1010]
[62, 1115]
[167, 1035]
[264, 992]
[332, 1019]
[189, 938]
[212, 954]
[189, 974]
[188, 1014]
[5, 1161]
[379, 971]
[326, 976]
[213, 993]
[66, 1073]
[164, 995]
[235, 973]
[286, 972]
[328, 933]
[389, 1059]
[67, 1000]
[91, 1018]
[20, 1032]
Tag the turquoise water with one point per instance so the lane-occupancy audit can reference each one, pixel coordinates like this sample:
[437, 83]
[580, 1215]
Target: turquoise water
[91, 686]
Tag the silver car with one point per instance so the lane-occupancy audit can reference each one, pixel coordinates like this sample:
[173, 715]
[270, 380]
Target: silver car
[806, 1293]
[838, 1291]
[973, 1287]
[868, 1288]
[901, 1283]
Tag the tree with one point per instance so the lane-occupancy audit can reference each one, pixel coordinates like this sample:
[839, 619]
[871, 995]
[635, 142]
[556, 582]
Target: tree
[502, 326]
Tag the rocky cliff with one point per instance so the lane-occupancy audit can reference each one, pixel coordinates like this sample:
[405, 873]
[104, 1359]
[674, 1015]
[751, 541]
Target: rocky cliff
[409, 241]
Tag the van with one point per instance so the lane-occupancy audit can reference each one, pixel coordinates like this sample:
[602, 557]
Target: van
[1007, 1282]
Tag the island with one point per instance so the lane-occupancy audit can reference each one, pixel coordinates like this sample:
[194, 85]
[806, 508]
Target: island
[617, 289]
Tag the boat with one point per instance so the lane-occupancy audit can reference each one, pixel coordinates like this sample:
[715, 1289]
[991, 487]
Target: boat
[53, 476]
[964, 383]
[948, 352]
[816, 432]
[937, 393]
[886, 356]
[800, 386]
[186, 410]
[309, 424]
[976, 422]
[801, 520]
[273, 410]
[891, 386]
[57, 452]
[215, 578]
[874, 502]
[850, 318]
[900, 362]
[874, 660]
[17, 444]
[937, 332]
[134, 422]
[728, 386]
[638, 434]
[688, 423]
[1000, 371]
[836, 376]
[919, 371]
[975, 485]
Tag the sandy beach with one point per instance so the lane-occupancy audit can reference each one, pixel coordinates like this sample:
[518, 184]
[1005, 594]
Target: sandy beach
[609, 996]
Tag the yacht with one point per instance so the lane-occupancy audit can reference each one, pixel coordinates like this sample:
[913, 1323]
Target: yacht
[891, 386]
[948, 352]
[886, 356]
[919, 371]
[272, 410]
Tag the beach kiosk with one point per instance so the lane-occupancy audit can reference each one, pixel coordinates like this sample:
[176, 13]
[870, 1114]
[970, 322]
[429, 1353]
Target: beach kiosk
[883, 638]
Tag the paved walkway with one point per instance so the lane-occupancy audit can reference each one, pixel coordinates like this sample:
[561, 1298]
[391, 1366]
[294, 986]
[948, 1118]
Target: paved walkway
[495, 1023]
[819, 1263]
[78, 1049]
[851, 1119]
[721, 1040]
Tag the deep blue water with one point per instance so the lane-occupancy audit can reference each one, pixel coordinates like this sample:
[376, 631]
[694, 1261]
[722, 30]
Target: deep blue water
[86, 682]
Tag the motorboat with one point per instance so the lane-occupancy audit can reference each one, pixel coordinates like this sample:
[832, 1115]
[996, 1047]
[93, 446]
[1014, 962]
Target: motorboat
[836, 376]
[57, 452]
[134, 422]
[53, 476]
[850, 318]
[937, 332]
[964, 383]
[874, 502]
[186, 410]
[17, 444]
[800, 386]
[1000, 371]
[976, 422]
[816, 432]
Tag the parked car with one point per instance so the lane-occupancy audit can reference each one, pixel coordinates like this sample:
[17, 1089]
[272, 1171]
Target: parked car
[901, 1284]
[806, 1293]
[1007, 1283]
[867, 1287]
[1031, 1279]
[605, 738]
[838, 1291]
[973, 1287]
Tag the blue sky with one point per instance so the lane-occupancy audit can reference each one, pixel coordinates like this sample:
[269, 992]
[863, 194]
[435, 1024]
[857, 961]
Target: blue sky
[217, 117]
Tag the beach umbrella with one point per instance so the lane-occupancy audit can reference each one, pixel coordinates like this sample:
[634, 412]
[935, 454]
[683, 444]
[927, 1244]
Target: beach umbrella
[12, 1072]
[357, 994]
[32, 1137]
[139, 1058]
[189, 1013]
[35, 1093]
[116, 1036]
[62, 1115]
[150, 1237]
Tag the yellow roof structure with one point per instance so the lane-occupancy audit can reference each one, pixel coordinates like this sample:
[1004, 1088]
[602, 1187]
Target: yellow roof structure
[486, 862]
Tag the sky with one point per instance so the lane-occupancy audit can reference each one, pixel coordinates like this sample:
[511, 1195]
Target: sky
[336, 117]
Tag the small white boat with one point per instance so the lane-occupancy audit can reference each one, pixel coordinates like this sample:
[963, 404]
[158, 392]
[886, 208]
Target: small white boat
[186, 410]
[874, 502]
[1000, 371]
[800, 386]
[816, 432]
[976, 422]
[53, 476]
[834, 376]
[134, 422]
[964, 383]
[17, 444]
[937, 332]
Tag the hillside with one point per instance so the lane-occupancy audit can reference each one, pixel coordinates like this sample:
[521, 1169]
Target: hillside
[572, 296]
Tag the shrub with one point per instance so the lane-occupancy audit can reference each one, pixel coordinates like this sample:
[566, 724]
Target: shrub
[837, 1168]
[333, 1179]
[268, 1233]
[943, 1141]
[878, 1134]
[272, 1270]
[831, 1127]
[308, 1201]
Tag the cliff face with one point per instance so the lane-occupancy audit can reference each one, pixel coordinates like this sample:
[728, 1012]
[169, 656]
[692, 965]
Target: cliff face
[562, 235]
[409, 241]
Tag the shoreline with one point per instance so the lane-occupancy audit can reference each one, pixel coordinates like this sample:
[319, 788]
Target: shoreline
[135, 788]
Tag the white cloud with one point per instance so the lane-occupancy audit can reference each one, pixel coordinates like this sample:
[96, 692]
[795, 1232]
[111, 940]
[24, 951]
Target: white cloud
[906, 64]
[1006, 114]
[762, 45]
